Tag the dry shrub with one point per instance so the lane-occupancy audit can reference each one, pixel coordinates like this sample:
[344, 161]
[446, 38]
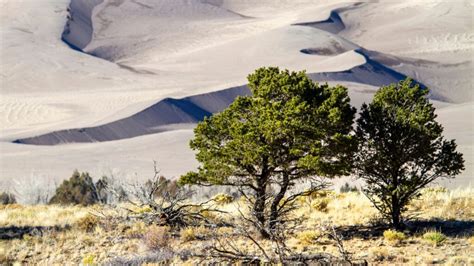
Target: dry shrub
[222, 199]
[11, 206]
[380, 254]
[308, 237]
[157, 237]
[318, 199]
[225, 231]
[394, 236]
[87, 223]
[137, 230]
[141, 209]
[457, 260]
[320, 204]
[194, 233]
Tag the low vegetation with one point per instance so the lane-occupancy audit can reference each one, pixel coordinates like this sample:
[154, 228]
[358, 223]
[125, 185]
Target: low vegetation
[434, 237]
[7, 198]
[79, 189]
[68, 234]
[394, 236]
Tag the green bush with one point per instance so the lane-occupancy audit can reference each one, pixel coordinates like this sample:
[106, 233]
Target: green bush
[394, 236]
[79, 189]
[434, 237]
[7, 198]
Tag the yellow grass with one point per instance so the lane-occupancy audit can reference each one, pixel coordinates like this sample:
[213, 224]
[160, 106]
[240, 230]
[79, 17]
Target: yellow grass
[83, 240]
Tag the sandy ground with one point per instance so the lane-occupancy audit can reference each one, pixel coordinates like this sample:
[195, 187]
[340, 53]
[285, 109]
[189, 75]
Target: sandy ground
[145, 51]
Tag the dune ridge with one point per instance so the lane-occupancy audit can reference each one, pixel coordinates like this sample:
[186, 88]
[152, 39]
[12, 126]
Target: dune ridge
[79, 30]
[165, 115]
[171, 114]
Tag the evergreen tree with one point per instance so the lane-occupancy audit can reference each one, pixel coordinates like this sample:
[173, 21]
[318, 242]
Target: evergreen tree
[289, 129]
[78, 189]
[401, 148]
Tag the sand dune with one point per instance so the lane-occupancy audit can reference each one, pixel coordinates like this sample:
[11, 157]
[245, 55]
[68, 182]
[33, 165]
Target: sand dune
[169, 113]
[167, 63]
[79, 29]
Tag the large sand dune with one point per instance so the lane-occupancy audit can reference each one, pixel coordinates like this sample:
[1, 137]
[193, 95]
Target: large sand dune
[124, 71]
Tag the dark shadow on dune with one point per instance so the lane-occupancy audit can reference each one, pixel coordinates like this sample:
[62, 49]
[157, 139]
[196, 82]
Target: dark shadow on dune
[18, 232]
[371, 73]
[159, 117]
[78, 30]
[333, 23]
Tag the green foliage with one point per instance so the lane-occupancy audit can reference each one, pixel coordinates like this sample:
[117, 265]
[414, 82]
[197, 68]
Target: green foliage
[434, 237]
[401, 148]
[7, 198]
[394, 236]
[88, 259]
[79, 189]
[288, 129]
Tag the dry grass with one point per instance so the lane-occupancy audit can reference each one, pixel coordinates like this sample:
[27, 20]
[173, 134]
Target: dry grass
[72, 235]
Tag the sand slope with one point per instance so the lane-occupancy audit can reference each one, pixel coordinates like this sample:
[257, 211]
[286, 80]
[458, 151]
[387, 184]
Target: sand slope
[150, 66]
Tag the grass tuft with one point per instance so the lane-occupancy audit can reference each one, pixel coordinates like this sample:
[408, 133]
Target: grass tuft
[394, 236]
[434, 237]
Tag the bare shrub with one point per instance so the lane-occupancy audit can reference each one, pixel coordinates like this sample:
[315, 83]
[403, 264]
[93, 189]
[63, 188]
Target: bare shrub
[165, 203]
[157, 237]
[35, 189]
[88, 223]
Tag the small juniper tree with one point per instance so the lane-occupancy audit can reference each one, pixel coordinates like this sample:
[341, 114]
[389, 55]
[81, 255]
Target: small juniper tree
[401, 148]
[290, 129]
[78, 189]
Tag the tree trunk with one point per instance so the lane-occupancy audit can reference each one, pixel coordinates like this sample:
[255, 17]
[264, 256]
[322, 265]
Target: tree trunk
[274, 213]
[259, 205]
[396, 209]
[396, 219]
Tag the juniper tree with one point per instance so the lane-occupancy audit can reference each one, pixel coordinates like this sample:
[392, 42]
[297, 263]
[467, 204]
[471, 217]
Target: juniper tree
[289, 129]
[401, 148]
